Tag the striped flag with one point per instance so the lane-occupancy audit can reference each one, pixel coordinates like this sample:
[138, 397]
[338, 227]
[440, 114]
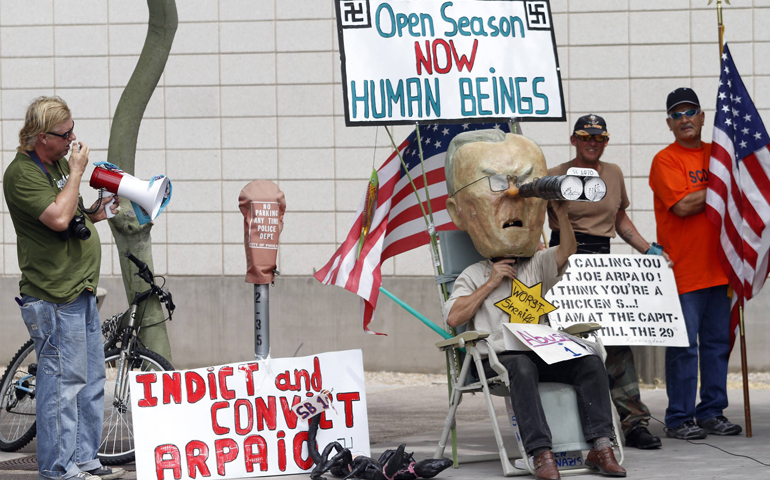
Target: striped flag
[738, 197]
[397, 225]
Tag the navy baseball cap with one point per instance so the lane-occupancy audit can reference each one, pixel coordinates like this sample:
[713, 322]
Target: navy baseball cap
[681, 95]
[591, 124]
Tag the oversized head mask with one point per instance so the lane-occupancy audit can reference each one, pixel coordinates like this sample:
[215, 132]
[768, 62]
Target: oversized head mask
[500, 223]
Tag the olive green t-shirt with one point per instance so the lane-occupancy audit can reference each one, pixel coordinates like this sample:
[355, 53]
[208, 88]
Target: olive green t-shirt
[52, 269]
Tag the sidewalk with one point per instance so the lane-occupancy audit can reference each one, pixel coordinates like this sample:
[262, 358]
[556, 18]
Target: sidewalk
[408, 414]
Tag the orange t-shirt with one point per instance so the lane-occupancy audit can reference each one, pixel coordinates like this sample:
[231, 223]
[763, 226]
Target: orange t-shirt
[690, 241]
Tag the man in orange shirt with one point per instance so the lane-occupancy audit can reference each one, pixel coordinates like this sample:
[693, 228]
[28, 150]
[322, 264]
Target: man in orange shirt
[678, 178]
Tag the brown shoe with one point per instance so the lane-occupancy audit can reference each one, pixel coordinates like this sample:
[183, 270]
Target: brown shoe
[604, 460]
[545, 467]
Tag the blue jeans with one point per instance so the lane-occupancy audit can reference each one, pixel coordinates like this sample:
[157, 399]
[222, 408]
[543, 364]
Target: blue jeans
[69, 385]
[707, 316]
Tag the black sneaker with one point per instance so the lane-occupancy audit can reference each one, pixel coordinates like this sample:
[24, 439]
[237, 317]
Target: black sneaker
[686, 431]
[719, 425]
[107, 473]
[640, 437]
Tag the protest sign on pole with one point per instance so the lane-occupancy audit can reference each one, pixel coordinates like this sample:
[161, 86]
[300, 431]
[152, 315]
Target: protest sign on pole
[234, 421]
[633, 297]
[419, 61]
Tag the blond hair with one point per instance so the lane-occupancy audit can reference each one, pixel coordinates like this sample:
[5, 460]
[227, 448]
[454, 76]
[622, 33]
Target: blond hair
[43, 115]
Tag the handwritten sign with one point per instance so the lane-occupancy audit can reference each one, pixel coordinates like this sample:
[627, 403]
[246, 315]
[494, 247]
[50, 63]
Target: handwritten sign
[633, 297]
[526, 304]
[236, 420]
[265, 225]
[549, 344]
[407, 61]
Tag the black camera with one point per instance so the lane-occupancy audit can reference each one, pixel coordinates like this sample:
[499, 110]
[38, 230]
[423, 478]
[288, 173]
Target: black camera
[77, 228]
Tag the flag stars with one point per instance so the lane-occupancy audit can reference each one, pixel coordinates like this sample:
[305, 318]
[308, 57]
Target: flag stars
[745, 131]
[735, 112]
[737, 100]
[437, 144]
[724, 56]
[445, 131]
[435, 127]
[727, 69]
[466, 126]
[728, 122]
[758, 135]
[743, 144]
[725, 108]
[722, 95]
[747, 118]
[730, 84]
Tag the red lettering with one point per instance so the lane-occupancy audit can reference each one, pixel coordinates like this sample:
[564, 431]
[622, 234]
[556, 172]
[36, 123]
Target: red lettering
[147, 379]
[197, 460]
[172, 387]
[225, 372]
[288, 415]
[218, 429]
[462, 60]
[174, 463]
[421, 60]
[225, 456]
[250, 415]
[315, 379]
[447, 52]
[212, 386]
[324, 423]
[348, 399]
[265, 413]
[249, 368]
[196, 387]
[281, 451]
[250, 457]
[283, 382]
[306, 463]
[298, 376]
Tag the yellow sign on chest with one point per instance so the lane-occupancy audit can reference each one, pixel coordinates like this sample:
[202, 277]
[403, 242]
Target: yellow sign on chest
[526, 304]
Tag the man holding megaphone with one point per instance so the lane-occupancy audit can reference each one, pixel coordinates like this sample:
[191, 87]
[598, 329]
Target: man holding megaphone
[59, 256]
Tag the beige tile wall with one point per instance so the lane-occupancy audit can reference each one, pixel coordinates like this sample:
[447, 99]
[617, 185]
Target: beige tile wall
[252, 90]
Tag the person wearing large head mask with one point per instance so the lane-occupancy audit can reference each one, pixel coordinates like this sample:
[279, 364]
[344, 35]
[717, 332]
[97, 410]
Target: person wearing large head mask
[483, 169]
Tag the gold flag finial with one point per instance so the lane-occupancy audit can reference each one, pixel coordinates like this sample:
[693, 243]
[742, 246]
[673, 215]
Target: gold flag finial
[720, 26]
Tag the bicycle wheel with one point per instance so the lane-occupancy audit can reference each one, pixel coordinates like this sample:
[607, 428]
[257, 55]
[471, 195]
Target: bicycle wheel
[17, 400]
[117, 447]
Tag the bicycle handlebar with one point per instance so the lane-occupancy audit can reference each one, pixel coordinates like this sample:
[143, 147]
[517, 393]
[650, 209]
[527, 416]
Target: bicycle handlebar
[144, 271]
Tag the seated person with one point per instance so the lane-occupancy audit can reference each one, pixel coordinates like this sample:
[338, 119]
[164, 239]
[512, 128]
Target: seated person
[482, 170]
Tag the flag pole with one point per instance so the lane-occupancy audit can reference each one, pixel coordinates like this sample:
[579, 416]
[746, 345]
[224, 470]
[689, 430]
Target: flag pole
[437, 269]
[744, 362]
[742, 328]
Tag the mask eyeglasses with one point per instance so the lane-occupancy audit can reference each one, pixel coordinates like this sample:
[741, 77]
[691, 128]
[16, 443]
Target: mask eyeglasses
[687, 113]
[497, 183]
[66, 135]
[584, 137]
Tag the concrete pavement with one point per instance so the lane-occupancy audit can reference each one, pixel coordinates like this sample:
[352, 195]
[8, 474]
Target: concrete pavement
[414, 415]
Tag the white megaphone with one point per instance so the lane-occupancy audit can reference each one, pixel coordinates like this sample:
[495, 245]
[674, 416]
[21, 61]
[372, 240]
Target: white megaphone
[149, 198]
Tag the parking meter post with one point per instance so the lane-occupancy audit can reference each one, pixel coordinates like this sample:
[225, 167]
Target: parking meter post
[261, 321]
[263, 205]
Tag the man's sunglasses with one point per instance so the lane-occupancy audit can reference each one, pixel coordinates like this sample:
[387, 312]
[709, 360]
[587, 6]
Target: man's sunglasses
[687, 113]
[584, 137]
[66, 135]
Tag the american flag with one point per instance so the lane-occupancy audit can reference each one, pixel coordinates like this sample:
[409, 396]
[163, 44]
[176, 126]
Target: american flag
[738, 197]
[397, 225]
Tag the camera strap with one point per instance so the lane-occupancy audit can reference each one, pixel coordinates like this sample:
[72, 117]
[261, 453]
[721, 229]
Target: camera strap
[39, 163]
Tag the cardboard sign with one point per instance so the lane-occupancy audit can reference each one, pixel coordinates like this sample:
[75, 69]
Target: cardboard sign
[526, 304]
[634, 297]
[550, 345]
[407, 61]
[235, 421]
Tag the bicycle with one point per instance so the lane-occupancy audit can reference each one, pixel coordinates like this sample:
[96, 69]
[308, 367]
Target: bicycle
[123, 353]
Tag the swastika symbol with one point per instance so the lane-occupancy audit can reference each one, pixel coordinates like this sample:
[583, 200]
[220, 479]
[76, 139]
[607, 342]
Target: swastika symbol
[537, 15]
[354, 13]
